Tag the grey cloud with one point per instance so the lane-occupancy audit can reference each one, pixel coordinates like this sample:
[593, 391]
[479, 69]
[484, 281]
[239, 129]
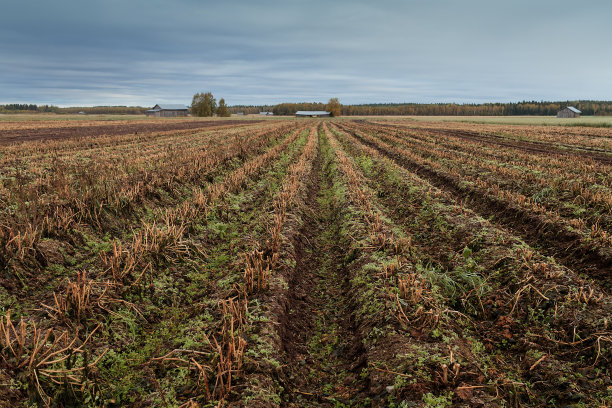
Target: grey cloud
[143, 52]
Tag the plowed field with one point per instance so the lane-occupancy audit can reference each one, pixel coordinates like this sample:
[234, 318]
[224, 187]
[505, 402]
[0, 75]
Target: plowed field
[15, 132]
[303, 263]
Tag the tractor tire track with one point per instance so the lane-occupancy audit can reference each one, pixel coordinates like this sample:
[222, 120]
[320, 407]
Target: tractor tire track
[322, 344]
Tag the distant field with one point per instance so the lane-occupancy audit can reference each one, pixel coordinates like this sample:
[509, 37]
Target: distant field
[10, 117]
[7, 117]
[21, 131]
[591, 121]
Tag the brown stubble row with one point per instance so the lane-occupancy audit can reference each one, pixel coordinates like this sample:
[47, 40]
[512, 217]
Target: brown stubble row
[50, 124]
[49, 201]
[261, 262]
[228, 344]
[534, 263]
[163, 235]
[520, 177]
[407, 295]
[414, 303]
[59, 123]
[517, 168]
[112, 145]
[261, 270]
[537, 266]
[94, 130]
[263, 259]
[380, 236]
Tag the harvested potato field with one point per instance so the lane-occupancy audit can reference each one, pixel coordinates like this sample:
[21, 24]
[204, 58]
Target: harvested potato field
[298, 263]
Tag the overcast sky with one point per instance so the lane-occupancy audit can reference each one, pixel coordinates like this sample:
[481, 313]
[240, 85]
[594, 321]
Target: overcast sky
[111, 52]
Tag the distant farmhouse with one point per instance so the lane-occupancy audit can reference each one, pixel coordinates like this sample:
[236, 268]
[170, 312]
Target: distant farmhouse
[168, 111]
[312, 114]
[569, 112]
[266, 113]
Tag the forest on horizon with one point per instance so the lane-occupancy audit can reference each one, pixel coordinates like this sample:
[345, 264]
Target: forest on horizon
[542, 108]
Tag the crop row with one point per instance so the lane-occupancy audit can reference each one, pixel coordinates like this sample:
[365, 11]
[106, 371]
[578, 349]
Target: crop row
[267, 262]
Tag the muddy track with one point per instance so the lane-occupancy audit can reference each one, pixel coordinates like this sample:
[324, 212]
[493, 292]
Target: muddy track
[26, 135]
[323, 348]
[553, 240]
[598, 155]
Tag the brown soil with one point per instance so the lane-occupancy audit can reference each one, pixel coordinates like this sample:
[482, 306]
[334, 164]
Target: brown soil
[323, 348]
[552, 239]
[23, 135]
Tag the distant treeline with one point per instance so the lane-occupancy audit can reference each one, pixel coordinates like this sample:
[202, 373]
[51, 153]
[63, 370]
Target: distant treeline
[30, 108]
[485, 109]
[26, 108]
[280, 109]
[603, 108]
[115, 110]
[250, 109]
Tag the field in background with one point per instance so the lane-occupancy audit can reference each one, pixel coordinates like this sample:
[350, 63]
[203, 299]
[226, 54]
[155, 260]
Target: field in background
[373, 261]
[588, 121]
[594, 121]
[5, 117]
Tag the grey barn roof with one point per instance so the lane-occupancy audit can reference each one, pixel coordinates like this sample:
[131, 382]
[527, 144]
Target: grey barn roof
[169, 106]
[573, 109]
[310, 113]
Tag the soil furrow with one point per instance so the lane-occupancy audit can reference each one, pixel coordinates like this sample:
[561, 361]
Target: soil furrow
[323, 349]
